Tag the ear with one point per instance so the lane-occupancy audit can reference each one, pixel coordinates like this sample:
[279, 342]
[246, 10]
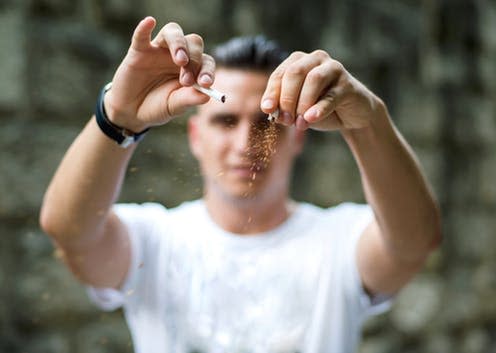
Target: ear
[193, 136]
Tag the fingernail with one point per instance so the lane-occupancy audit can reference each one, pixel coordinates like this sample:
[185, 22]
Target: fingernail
[181, 56]
[205, 79]
[267, 104]
[286, 118]
[188, 78]
[312, 113]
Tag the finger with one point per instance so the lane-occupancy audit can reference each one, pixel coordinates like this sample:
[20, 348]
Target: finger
[325, 107]
[190, 71]
[292, 82]
[316, 82]
[142, 34]
[206, 76]
[171, 36]
[330, 123]
[301, 124]
[270, 98]
[183, 98]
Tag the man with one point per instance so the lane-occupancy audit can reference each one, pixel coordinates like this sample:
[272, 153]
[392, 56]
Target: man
[245, 268]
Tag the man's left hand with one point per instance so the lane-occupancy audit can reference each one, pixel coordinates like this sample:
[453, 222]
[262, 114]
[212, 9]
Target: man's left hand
[312, 90]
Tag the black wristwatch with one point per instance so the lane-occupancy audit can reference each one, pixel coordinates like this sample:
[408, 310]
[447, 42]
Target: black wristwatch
[123, 137]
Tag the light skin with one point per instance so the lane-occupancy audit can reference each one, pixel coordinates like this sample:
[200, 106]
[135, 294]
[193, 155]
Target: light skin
[242, 195]
[245, 181]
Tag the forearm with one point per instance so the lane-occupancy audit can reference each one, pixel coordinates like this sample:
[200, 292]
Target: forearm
[394, 186]
[84, 187]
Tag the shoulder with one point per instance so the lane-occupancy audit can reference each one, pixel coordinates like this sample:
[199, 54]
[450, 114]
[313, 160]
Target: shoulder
[347, 212]
[152, 217]
[151, 210]
[348, 208]
[337, 225]
[132, 210]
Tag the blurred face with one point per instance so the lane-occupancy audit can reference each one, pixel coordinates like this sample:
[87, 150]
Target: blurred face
[241, 154]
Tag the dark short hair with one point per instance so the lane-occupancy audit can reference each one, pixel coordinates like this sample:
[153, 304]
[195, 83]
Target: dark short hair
[249, 52]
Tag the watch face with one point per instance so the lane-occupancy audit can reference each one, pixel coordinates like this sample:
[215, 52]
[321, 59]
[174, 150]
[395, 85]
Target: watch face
[128, 141]
[107, 87]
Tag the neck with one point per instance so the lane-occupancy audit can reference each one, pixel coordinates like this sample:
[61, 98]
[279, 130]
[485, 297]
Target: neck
[247, 216]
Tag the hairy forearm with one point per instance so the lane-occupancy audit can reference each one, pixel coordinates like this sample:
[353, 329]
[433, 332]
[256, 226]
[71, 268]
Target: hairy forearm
[84, 187]
[396, 189]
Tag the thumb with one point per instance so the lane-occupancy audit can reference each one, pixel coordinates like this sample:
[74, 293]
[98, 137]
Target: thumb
[329, 123]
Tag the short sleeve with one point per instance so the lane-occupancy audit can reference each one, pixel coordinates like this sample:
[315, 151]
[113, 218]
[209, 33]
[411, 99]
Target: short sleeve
[140, 221]
[356, 218]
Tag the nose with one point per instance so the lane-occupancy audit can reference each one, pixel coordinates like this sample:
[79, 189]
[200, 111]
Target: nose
[244, 138]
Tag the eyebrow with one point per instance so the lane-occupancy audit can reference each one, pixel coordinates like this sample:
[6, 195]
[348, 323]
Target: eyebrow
[222, 116]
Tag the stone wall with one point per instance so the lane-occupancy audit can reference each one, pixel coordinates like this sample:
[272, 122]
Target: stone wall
[432, 61]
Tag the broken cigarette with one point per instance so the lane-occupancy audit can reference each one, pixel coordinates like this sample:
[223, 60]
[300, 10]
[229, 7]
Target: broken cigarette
[221, 97]
[273, 116]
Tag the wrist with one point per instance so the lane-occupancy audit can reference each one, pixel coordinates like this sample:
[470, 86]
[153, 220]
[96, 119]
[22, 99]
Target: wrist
[122, 135]
[119, 117]
[379, 128]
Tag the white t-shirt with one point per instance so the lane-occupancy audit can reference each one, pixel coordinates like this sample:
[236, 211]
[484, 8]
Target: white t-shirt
[193, 287]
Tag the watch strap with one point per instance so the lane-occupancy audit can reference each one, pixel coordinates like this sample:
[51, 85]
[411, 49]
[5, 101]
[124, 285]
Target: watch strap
[122, 136]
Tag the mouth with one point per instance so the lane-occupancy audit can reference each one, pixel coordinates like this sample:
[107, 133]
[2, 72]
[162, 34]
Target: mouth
[247, 171]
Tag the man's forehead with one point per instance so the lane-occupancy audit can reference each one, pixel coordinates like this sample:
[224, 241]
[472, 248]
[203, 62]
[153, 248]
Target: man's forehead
[212, 109]
[240, 78]
[243, 90]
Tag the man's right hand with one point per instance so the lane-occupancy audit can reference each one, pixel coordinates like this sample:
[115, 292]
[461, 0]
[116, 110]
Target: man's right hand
[154, 81]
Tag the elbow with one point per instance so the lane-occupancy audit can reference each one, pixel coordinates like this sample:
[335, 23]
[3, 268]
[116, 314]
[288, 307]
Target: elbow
[68, 228]
[47, 221]
[55, 225]
[52, 220]
[428, 238]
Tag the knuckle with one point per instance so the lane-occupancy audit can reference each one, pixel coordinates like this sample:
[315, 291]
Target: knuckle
[316, 75]
[195, 39]
[208, 66]
[277, 74]
[321, 54]
[296, 70]
[287, 101]
[208, 61]
[296, 55]
[171, 26]
[337, 66]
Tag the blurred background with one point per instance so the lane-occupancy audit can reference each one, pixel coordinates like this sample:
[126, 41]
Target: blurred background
[432, 61]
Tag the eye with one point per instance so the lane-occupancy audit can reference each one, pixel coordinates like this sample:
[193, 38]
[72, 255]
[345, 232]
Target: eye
[225, 121]
[229, 122]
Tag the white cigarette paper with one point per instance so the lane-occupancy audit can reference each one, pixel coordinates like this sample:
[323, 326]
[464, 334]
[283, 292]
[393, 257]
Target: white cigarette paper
[221, 97]
[273, 116]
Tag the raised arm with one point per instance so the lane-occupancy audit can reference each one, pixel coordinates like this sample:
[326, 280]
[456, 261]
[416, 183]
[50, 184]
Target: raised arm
[151, 85]
[315, 91]
[407, 225]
